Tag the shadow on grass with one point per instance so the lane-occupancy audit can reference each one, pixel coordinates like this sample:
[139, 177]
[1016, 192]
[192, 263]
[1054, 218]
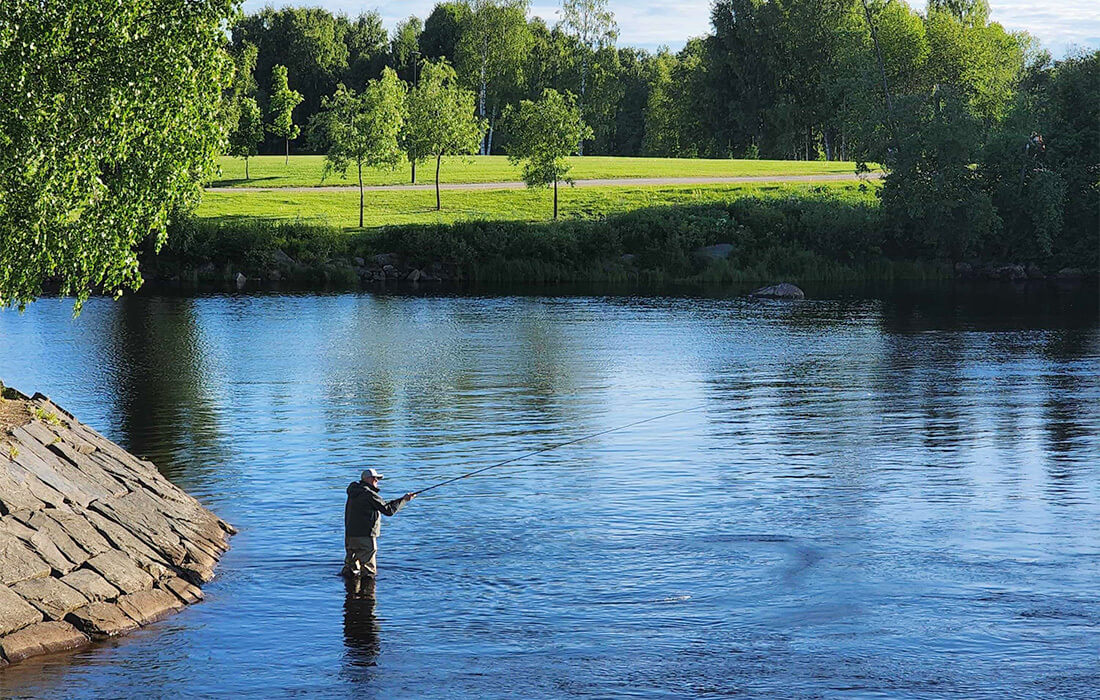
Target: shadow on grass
[240, 182]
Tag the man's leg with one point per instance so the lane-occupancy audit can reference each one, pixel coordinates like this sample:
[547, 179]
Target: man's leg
[360, 560]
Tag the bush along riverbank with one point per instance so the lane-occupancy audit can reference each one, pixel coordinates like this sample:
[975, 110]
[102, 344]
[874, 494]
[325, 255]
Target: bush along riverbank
[804, 238]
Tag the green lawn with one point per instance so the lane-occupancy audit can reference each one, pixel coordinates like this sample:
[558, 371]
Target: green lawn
[305, 171]
[341, 208]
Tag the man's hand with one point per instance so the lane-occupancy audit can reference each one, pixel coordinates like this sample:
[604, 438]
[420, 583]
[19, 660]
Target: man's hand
[408, 497]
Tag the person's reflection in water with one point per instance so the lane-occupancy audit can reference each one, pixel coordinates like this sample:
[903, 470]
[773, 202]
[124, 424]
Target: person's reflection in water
[360, 624]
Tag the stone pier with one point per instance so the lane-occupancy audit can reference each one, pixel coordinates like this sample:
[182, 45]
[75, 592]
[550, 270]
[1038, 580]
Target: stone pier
[94, 542]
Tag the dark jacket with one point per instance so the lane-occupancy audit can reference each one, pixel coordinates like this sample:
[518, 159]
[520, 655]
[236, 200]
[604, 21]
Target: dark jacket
[362, 509]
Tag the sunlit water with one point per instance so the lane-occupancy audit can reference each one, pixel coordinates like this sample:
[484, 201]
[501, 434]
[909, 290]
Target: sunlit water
[881, 493]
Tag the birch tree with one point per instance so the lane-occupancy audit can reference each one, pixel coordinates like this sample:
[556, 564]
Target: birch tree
[491, 51]
[592, 25]
[283, 102]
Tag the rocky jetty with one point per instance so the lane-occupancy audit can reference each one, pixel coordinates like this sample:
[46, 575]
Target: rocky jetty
[783, 290]
[94, 542]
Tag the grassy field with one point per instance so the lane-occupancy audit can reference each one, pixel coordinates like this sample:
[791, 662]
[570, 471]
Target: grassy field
[341, 208]
[305, 171]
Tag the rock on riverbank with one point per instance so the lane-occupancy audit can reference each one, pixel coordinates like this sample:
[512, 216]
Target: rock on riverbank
[94, 542]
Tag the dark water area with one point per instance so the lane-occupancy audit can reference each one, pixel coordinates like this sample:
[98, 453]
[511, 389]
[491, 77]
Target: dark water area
[884, 492]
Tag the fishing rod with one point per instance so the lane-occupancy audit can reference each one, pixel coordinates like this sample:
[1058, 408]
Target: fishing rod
[554, 447]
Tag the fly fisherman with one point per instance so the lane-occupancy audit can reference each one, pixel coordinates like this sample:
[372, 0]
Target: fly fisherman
[362, 524]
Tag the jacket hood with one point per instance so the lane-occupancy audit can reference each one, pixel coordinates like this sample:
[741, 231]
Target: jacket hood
[356, 488]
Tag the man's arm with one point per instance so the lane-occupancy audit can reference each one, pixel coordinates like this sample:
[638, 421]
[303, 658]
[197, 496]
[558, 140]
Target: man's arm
[390, 507]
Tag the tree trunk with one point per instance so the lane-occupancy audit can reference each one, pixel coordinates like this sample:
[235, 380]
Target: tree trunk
[481, 97]
[360, 164]
[246, 167]
[414, 172]
[287, 161]
[438, 157]
[580, 105]
[555, 199]
[882, 70]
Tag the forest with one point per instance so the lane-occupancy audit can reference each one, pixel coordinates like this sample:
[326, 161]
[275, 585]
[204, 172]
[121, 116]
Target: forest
[991, 146]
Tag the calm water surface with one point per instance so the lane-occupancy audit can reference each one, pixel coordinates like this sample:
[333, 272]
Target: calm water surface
[884, 493]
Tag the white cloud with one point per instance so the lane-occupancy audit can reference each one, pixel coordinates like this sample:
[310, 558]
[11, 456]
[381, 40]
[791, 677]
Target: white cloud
[1058, 24]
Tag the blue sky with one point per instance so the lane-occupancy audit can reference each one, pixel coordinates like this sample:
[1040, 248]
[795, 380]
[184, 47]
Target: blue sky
[1059, 24]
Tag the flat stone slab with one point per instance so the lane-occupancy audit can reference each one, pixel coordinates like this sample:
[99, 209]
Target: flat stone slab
[121, 572]
[15, 613]
[147, 607]
[42, 638]
[54, 598]
[185, 591]
[38, 542]
[91, 585]
[18, 562]
[99, 620]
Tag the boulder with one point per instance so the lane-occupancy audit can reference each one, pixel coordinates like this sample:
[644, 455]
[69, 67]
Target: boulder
[90, 585]
[283, 260]
[51, 596]
[1070, 273]
[719, 251]
[15, 613]
[1009, 273]
[241, 280]
[628, 258]
[783, 290]
[42, 638]
[384, 259]
[414, 276]
[1034, 272]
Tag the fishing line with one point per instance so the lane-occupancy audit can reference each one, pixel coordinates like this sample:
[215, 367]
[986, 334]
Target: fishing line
[554, 447]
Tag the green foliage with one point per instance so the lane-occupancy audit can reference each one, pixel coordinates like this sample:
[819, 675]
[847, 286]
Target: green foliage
[442, 30]
[111, 118]
[283, 102]
[490, 53]
[441, 119]
[405, 46]
[249, 131]
[362, 129]
[545, 133]
[836, 234]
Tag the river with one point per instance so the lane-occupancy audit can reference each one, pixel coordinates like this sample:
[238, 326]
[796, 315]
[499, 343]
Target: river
[881, 492]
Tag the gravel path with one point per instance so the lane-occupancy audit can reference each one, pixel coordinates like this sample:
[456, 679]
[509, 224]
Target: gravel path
[608, 182]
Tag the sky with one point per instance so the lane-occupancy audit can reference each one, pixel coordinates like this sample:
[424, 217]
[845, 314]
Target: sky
[1059, 24]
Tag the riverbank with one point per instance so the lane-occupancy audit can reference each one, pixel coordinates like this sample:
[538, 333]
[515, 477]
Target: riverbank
[799, 234]
[94, 542]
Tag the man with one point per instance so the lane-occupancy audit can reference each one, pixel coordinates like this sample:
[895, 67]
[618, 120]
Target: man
[362, 524]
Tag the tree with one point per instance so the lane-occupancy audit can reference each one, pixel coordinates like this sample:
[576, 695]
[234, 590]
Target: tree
[442, 30]
[544, 134]
[248, 133]
[405, 46]
[491, 51]
[283, 102]
[441, 119]
[362, 129]
[105, 133]
[593, 26]
[246, 124]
